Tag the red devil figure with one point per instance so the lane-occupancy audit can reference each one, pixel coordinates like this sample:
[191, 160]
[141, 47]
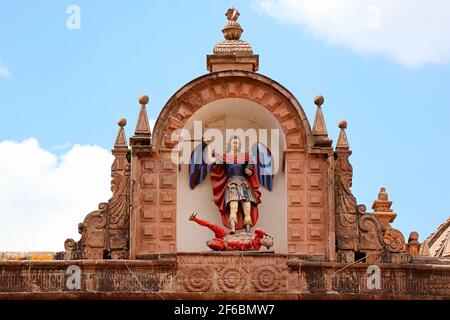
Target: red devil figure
[239, 242]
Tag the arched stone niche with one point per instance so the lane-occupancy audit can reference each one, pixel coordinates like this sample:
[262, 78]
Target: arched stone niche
[232, 113]
[159, 219]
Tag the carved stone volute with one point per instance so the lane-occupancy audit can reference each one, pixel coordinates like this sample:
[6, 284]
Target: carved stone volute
[105, 232]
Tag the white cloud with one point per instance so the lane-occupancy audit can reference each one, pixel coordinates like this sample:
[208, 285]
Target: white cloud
[63, 146]
[43, 196]
[410, 32]
[4, 71]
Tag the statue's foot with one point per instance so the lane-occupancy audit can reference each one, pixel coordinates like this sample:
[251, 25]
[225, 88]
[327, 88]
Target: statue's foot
[193, 215]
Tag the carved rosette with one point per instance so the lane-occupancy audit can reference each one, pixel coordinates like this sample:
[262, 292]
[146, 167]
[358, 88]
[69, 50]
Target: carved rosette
[198, 279]
[394, 240]
[266, 278]
[232, 279]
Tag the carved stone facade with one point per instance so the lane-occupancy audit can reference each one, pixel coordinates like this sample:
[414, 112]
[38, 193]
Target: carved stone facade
[211, 276]
[129, 245]
[324, 219]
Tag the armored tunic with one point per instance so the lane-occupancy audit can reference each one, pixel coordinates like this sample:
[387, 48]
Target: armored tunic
[238, 188]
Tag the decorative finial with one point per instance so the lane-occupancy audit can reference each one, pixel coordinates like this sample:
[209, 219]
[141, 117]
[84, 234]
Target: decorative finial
[319, 130]
[413, 244]
[232, 14]
[382, 208]
[142, 125]
[232, 30]
[413, 237]
[342, 143]
[232, 53]
[382, 204]
[122, 122]
[382, 195]
[319, 100]
[143, 100]
[121, 140]
[342, 124]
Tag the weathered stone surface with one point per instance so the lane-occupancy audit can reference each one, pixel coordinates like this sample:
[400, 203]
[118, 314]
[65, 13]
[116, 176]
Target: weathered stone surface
[248, 275]
[128, 247]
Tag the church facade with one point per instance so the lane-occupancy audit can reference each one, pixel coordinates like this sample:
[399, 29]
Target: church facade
[199, 229]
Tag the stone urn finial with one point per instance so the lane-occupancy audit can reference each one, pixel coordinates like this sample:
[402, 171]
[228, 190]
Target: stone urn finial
[382, 208]
[232, 53]
[382, 204]
[232, 30]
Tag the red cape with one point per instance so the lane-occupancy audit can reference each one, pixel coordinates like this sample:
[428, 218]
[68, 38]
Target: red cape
[219, 184]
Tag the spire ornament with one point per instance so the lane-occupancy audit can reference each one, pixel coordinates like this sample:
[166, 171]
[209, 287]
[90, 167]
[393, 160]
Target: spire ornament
[121, 140]
[382, 208]
[319, 130]
[232, 53]
[342, 143]
[142, 134]
[142, 125]
[232, 30]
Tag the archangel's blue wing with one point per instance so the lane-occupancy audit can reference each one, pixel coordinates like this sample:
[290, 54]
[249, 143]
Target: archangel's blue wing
[198, 168]
[263, 160]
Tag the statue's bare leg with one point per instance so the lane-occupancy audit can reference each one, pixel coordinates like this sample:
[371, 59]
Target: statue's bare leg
[233, 215]
[246, 206]
[218, 231]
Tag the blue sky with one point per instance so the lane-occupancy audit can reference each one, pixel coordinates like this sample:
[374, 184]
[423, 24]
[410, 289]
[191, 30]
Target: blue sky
[67, 87]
